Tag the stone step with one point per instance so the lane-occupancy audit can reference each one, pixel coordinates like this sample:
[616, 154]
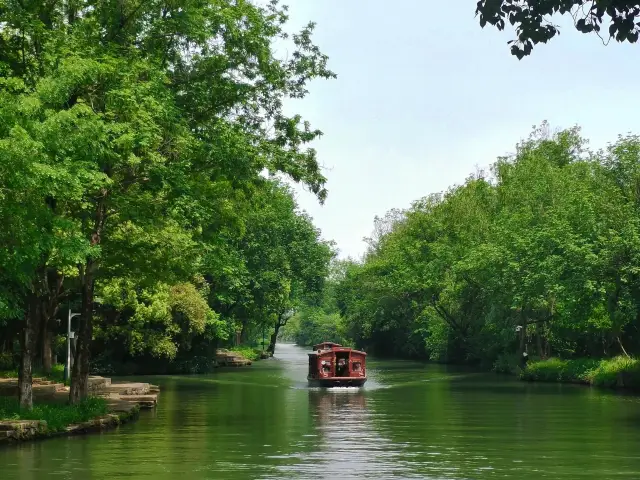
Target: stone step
[128, 388]
[145, 405]
[12, 431]
[47, 390]
[142, 400]
[98, 384]
[237, 363]
[42, 382]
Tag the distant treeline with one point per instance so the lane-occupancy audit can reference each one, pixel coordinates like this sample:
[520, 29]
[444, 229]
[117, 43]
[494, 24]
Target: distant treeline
[539, 255]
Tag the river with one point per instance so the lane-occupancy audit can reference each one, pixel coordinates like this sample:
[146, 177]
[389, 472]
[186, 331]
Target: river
[411, 420]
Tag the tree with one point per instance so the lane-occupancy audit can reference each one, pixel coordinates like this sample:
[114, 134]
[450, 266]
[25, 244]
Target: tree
[286, 259]
[532, 19]
[541, 255]
[133, 120]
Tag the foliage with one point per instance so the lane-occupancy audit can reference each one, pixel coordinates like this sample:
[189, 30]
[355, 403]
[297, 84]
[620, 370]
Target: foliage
[557, 370]
[313, 325]
[620, 371]
[539, 255]
[507, 363]
[249, 353]
[6, 361]
[134, 144]
[532, 19]
[318, 318]
[56, 374]
[57, 416]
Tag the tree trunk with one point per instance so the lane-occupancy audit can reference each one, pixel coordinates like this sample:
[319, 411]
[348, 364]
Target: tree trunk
[243, 332]
[280, 322]
[80, 372]
[523, 336]
[79, 389]
[27, 344]
[54, 284]
[272, 343]
[47, 350]
[539, 340]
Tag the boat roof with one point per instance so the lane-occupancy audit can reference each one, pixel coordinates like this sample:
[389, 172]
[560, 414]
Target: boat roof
[339, 348]
[325, 345]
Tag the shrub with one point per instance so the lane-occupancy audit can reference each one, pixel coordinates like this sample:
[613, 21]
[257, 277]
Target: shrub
[558, 370]
[506, 364]
[57, 416]
[616, 372]
[6, 361]
[249, 353]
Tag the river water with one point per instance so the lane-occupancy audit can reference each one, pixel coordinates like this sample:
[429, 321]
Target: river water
[409, 421]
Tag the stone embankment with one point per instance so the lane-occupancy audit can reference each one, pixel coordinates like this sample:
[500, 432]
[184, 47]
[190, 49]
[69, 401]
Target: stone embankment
[225, 358]
[124, 401]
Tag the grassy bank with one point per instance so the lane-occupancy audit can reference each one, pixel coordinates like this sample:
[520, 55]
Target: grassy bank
[249, 353]
[57, 374]
[57, 416]
[618, 372]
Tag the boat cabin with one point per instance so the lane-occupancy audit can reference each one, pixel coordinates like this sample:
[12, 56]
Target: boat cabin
[331, 364]
[326, 346]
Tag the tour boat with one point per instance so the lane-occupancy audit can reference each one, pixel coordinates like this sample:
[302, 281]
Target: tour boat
[332, 365]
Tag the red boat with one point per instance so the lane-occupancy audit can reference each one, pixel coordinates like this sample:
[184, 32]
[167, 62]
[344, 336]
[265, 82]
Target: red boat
[332, 365]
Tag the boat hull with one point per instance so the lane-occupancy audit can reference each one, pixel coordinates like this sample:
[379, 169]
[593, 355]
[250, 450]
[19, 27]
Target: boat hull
[337, 382]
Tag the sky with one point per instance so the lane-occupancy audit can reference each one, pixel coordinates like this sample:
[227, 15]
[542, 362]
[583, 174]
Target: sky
[424, 96]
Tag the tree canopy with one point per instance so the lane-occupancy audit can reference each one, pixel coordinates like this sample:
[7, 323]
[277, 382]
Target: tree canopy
[610, 19]
[142, 145]
[537, 255]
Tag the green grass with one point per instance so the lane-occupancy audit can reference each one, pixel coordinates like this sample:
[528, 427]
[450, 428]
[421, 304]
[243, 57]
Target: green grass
[249, 353]
[618, 372]
[57, 416]
[57, 374]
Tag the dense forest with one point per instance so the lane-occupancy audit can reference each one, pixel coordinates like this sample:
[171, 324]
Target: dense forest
[540, 255]
[145, 164]
[144, 160]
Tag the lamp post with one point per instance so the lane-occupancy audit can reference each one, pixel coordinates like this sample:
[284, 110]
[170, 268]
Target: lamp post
[67, 365]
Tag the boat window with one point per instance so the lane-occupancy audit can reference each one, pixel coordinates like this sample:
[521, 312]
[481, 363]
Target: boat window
[356, 366]
[325, 366]
[342, 364]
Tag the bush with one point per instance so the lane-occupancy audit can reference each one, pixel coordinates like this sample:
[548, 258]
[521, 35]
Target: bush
[506, 364]
[249, 353]
[6, 361]
[557, 370]
[57, 416]
[616, 372]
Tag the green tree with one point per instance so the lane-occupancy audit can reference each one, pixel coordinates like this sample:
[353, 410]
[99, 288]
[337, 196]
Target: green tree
[539, 256]
[140, 119]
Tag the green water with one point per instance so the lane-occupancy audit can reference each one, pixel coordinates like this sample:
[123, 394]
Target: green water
[409, 421]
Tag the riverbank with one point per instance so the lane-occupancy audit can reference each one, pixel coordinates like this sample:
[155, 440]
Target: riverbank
[110, 404]
[194, 365]
[616, 373]
[53, 420]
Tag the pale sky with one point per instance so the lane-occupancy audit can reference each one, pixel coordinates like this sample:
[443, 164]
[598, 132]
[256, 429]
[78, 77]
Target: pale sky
[424, 95]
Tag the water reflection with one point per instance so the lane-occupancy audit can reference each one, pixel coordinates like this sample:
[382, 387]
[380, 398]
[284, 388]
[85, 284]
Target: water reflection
[346, 444]
[411, 421]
